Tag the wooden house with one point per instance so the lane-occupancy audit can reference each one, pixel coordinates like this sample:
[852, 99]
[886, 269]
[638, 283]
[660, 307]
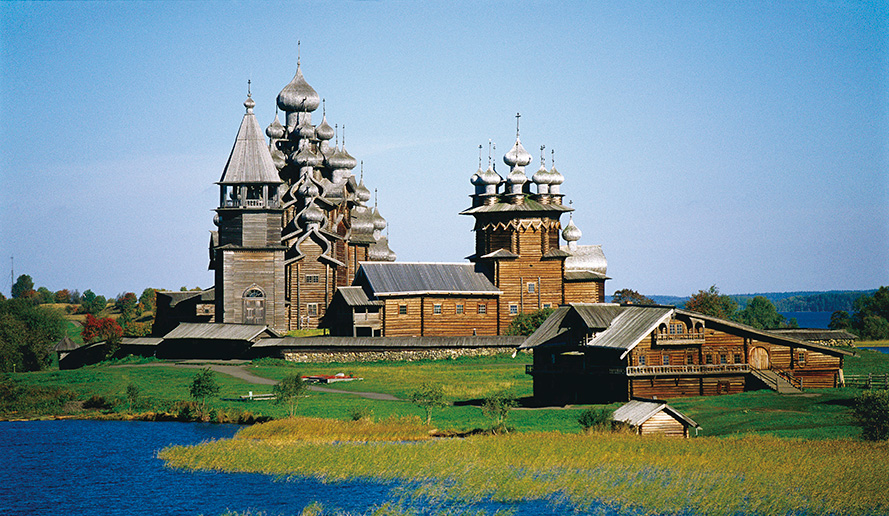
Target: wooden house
[212, 340]
[600, 353]
[653, 417]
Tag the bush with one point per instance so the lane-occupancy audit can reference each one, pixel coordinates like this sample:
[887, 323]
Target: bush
[203, 386]
[96, 402]
[496, 407]
[363, 413]
[526, 324]
[596, 419]
[429, 396]
[871, 410]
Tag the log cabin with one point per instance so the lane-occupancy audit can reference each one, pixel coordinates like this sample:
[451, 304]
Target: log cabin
[602, 353]
[654, 417]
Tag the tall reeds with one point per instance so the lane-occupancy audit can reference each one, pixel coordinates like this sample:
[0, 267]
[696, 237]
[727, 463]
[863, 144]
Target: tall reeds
[749, 474]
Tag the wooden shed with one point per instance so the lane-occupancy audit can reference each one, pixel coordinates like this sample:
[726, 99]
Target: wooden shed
[653, 417]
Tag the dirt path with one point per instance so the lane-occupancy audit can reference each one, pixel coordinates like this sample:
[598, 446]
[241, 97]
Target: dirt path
[240, 372]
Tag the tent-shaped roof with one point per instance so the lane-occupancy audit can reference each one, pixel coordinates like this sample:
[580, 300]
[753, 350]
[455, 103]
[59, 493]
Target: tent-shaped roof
[66, 344]
[638, 411]
[250, 160]
[391, 278]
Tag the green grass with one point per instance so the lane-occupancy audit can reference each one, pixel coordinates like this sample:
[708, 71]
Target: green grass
[747, 475]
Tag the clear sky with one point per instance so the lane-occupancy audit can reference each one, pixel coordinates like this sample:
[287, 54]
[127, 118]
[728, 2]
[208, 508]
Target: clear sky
[742, 144]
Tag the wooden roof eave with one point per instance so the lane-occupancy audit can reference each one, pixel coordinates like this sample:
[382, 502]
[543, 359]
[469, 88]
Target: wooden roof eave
[762, 335]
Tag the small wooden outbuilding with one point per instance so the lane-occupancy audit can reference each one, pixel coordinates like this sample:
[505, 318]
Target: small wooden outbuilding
[653, 417]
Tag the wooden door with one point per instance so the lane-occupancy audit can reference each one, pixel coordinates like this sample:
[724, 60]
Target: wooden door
[254, 312]
[759, 358]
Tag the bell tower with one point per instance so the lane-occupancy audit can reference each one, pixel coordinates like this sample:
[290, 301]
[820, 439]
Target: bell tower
[246, 250]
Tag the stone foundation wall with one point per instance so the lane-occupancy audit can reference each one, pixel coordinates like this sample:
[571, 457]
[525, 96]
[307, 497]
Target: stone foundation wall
[323, 357]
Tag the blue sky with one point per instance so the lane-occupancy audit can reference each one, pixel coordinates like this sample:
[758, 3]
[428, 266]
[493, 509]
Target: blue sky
[742, 144]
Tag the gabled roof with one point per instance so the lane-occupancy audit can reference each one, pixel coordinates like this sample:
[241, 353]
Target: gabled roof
[585, 258]
[611, 326]
[219, 331]
[401, 278]
[355, 296]
[178, 296]
[812, 334]
[763, 335]
[250, 160]
[636, 412]
[66, 344]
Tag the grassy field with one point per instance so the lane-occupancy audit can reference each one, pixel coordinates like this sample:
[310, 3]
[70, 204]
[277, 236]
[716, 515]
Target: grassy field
[816, 414]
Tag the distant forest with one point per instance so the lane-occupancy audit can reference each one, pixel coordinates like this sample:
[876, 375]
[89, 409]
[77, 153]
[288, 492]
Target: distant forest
[789, 301]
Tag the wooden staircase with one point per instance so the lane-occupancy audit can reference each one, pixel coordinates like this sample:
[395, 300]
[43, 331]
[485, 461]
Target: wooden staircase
[775, 381]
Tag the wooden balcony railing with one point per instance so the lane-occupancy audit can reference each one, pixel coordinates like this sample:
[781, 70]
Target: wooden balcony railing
[679, 338]
[687, 369]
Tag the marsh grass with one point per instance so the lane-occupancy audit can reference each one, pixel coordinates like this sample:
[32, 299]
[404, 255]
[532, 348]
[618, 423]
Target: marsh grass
[746, 474]
[334, 430]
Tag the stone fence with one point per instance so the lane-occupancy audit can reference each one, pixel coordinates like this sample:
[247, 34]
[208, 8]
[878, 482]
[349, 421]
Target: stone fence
[405, 355]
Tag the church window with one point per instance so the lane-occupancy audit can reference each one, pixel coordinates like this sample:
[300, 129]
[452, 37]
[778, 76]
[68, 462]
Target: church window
[482, 309]
[312, 278]
[513, 309]
[436, 309]
[532, 287]
[312, 309]
[254, 306]
[402, 309]
[459, 309]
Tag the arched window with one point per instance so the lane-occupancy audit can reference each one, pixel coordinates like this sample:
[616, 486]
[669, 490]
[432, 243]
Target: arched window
[254, 306]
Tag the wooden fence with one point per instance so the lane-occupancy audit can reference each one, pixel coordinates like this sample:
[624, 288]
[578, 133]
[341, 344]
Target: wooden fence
[867, 381]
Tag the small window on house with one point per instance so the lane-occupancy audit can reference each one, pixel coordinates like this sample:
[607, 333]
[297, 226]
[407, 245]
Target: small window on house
[436, 309]
[402, 309]
[723, 359]
[312, 278]
[690, 359]
[547, 305]
[641, 359]
[312, 309]
[459, 309]
[513, 309]
[802, 358]
[482, 309]
[737, 358]
[709, 358]
[532, 288]
[666, 360]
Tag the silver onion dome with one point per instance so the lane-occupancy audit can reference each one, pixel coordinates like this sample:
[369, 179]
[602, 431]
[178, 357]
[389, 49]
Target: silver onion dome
[556, 178]
[275, 130]
[362, 221]
[490, 177]
[324, 131]
[306, 158]
[378, 221]
[363, 192]
[517, 155]
[249, 103]
[308, 190]
[542, 176]
[312, 215]
[338, 160]
[298, 95]
[571, 233]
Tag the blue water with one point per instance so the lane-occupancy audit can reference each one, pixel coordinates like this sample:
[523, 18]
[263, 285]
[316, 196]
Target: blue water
[809, 319]
[880, 349]
[110, 468]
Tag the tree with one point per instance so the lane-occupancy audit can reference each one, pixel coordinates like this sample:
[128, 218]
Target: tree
[526, 324]
[203, 386]
[288, 391]
[22, 286]
[761, 313]
[711, 302]
[126, 304]
[148, 299]
[44, 296]
[91, 303]
[62, 296]
[871, 411]
[629, 296]
[132, 395]
[496, 407]
[27, 334]
[840, 320]
[97, 330]
[870, 319]
[429, 396]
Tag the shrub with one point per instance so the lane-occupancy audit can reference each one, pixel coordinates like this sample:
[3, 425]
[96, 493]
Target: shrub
[871, 410]
[288, 390]
[96, 402]
[363, 413]
[596, 419]
[132, 395]
[203, 386]
[429, 396]
[496, 407]
[526, 324]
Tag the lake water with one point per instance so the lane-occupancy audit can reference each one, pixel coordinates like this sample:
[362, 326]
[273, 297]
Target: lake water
[809, 319]
[110, 468]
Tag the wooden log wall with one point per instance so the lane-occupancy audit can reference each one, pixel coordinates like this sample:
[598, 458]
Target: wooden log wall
[240, 269]
[301, 292]
[512, 278]
[663, 423]
[585, 291]
[421, 319]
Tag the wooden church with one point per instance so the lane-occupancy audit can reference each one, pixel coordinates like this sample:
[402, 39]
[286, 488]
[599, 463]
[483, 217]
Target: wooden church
[297, 245]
